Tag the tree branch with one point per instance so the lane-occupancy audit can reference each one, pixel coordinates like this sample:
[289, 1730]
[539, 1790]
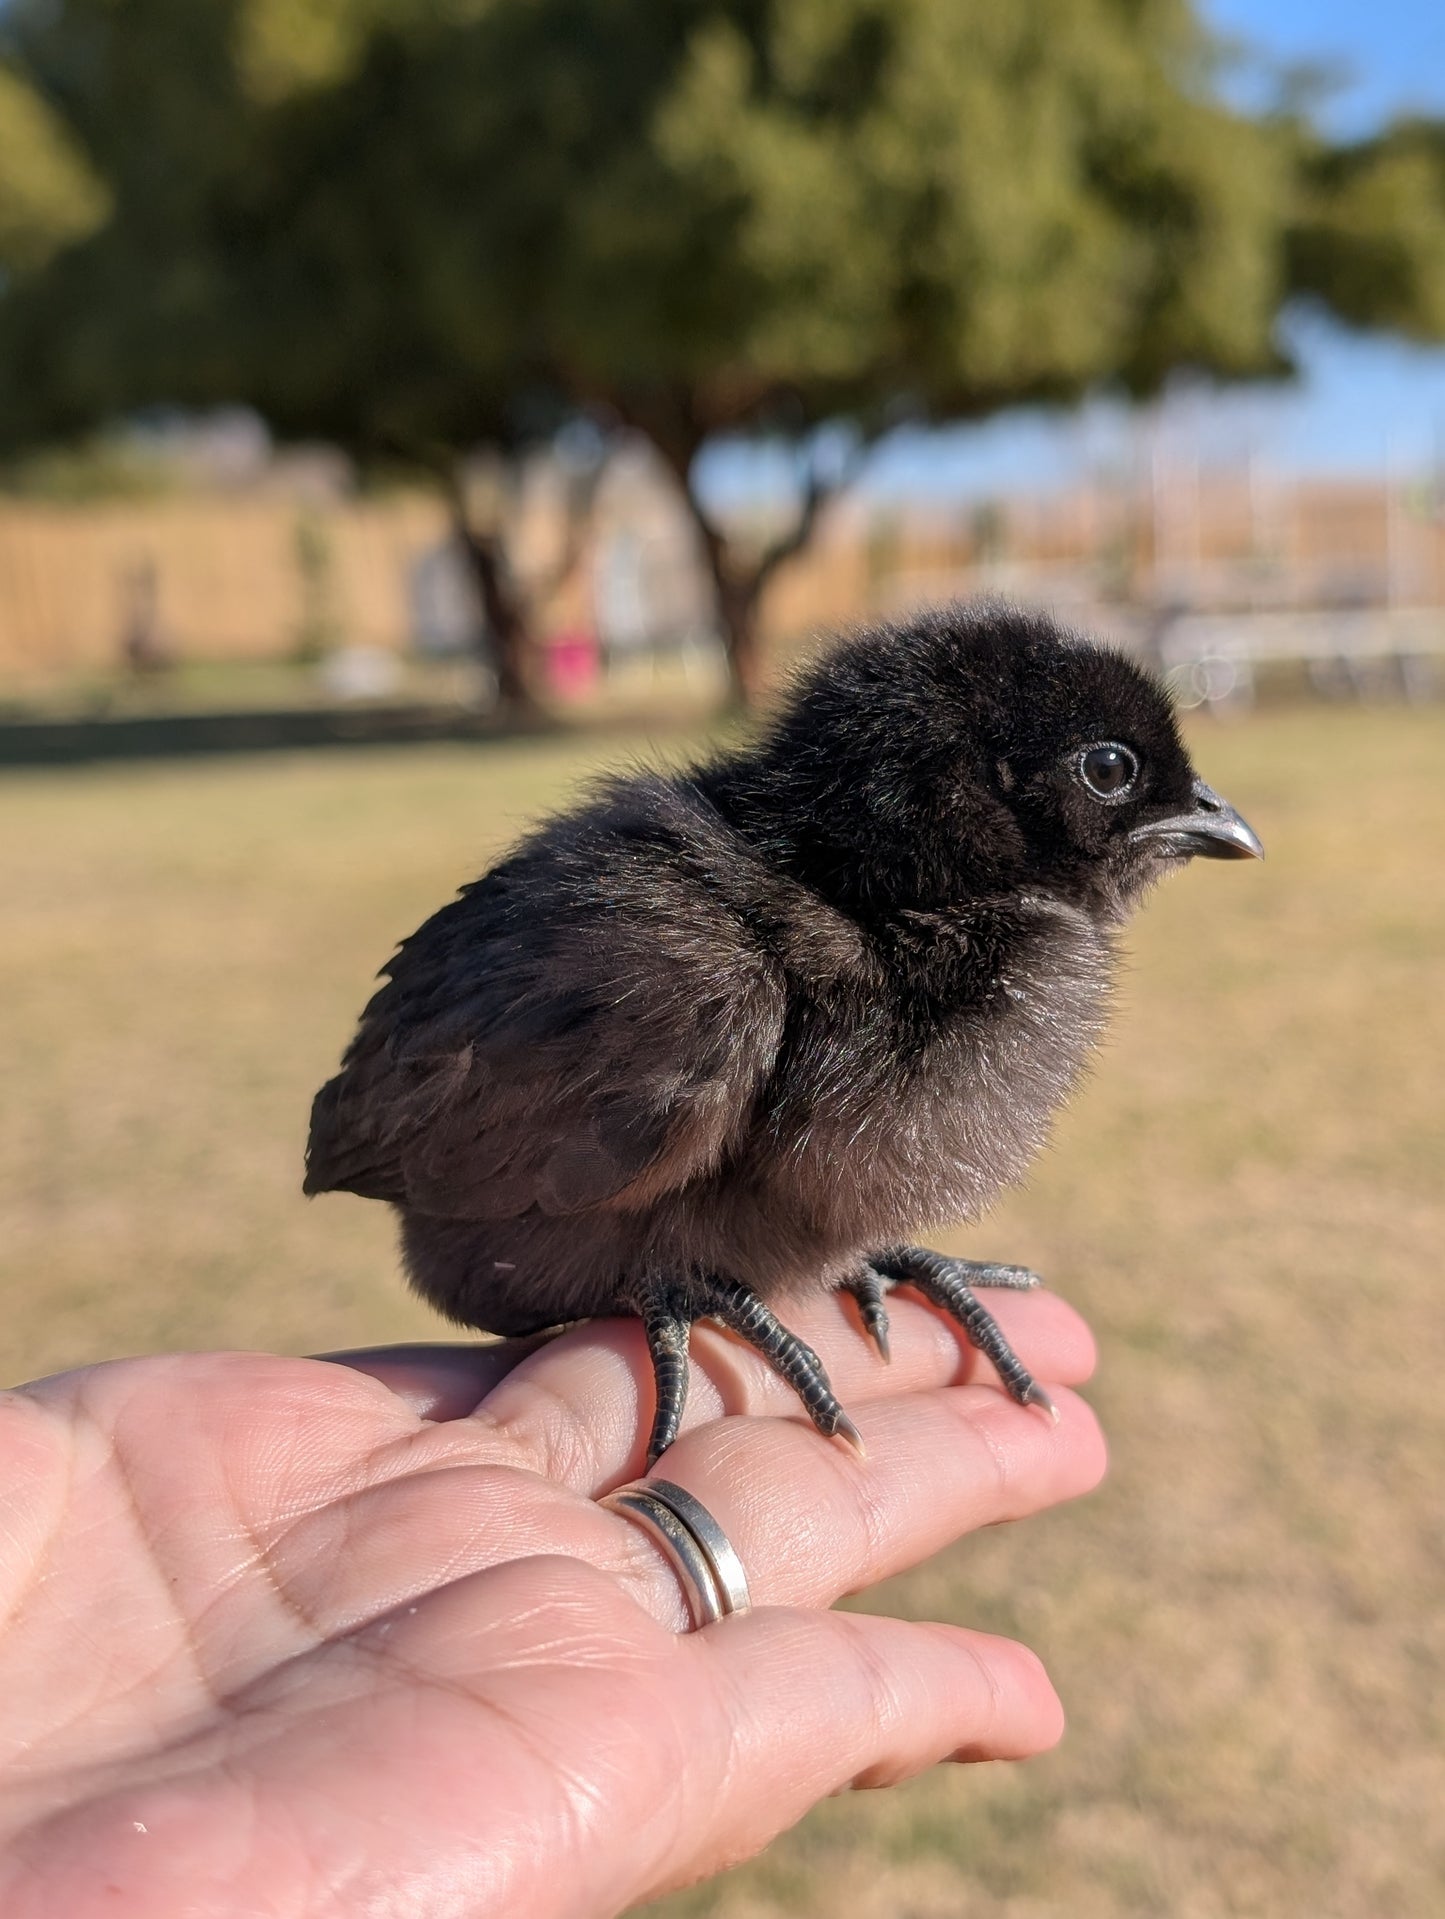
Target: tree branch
[817, 494]
[580, 501]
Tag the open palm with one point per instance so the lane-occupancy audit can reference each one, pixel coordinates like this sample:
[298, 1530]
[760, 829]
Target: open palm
[298, 1638]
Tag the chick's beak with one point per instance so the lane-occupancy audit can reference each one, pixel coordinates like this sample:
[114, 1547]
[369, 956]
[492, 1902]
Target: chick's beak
[1211, 830]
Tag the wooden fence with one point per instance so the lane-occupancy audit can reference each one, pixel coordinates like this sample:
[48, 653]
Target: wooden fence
[232, 579]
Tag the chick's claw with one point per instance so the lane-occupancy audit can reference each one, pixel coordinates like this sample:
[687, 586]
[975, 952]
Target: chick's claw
[870, 1289]
[1036, 1396]
[667, 1314]
[667, 1326]
[948, 1284]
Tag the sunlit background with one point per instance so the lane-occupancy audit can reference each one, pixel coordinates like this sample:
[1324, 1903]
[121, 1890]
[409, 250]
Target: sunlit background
[407, 408]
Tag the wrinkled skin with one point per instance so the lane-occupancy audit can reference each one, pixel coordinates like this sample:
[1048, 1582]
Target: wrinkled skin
[295, 1638]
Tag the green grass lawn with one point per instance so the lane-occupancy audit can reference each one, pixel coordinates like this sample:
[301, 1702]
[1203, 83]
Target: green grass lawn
[1246, 1624]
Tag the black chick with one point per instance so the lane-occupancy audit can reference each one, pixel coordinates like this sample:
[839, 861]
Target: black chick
[720, 1038]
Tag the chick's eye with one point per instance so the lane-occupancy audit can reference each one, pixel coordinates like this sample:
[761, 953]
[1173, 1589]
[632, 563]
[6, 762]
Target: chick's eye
[1108, 771]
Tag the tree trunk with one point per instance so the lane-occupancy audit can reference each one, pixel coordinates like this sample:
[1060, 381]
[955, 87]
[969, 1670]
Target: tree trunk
[507, 648]
[739, 605]
[738, 598]
[678, 432]
[745, 649]
[740, 589]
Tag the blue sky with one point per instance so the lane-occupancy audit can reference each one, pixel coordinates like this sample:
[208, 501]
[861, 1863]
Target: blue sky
[1365, 404]
[1391, 52]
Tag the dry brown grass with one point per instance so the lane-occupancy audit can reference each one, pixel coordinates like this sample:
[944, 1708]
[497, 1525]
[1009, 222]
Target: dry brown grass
[1246, 1624]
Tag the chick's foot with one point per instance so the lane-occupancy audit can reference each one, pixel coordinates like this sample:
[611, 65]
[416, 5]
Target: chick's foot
[668, 1312]
[949, 1284]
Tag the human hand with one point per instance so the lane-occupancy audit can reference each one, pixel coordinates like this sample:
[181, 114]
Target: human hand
[309, 1639]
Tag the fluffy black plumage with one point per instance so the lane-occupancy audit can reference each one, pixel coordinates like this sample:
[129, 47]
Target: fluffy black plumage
[717, 1038]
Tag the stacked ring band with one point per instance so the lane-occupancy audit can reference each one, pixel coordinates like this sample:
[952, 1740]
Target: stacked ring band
[694, 1544]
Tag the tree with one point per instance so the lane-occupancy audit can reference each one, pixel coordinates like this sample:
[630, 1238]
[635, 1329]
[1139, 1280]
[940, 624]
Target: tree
[422, 226]
[49, 197]
[1366, 238]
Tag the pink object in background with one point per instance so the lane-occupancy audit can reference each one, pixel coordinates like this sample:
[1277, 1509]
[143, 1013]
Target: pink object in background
[572, 663]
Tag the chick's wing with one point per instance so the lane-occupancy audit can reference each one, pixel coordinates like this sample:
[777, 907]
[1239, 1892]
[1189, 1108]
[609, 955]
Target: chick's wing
[552, 1045]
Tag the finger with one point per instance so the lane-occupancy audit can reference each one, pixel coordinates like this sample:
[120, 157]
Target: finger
[809, 1520]
[812, 1522]
[816, 1702]
[580, 1409]
[719, 1740]
[440, 1381]
[540, 1733]
[874, 1700]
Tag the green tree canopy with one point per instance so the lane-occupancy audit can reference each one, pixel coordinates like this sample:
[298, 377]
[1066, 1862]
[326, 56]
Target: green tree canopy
[49, 197]
[1366, 237]
[422, 228]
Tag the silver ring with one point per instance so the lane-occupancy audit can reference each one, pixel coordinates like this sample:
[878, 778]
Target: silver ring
[695, 1546]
